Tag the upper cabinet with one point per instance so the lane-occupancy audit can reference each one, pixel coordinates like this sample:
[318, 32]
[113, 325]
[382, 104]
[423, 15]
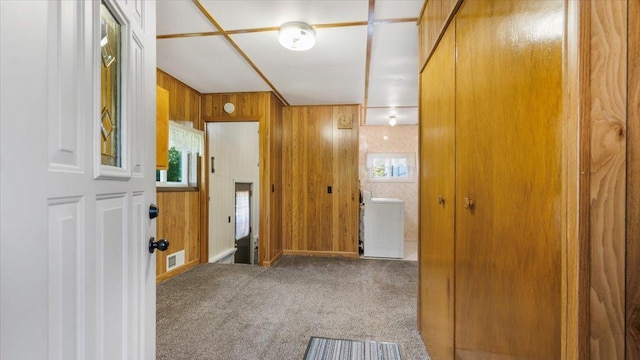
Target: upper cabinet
[162, 128]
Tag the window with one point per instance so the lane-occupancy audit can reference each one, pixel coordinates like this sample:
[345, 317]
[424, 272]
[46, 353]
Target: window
[185, 147]
[242, 214]
[398, 167]
[110, 88]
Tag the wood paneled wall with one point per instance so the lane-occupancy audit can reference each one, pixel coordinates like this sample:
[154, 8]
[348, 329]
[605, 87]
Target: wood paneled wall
[180, 220]
[437, 200]
[633, 185]
[266, 108]
[601, 130]
[248, 106]
[275, 216]
[317, 155]
[435, 16]
[608, 117]
[184, 102]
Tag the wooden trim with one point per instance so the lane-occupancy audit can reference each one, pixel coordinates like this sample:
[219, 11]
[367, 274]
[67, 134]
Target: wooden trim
[608, 121]
[424, 7]
[180, 270]
[370, 29]
[204, 248]
[342, 254]
[178, 81]
[393, 107]
[213, 21]
[188, 35]
[204, 197]
[633, 184]
[177, 189]
[277, 28]
[323, 105]
[239, 118]
[576, 179]
[452, 14]
[397, 125]
[272, 261]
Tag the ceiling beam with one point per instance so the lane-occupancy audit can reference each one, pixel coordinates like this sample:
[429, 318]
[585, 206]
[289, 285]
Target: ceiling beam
[277, 28]
[246, 58]
[370, 27]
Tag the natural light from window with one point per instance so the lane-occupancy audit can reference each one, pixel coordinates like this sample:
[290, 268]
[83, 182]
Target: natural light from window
[186, 145]
[387, 167]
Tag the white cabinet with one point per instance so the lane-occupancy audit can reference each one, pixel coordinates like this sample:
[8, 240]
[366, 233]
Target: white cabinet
[384, 228]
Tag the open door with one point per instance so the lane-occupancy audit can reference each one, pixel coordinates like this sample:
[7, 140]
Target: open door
[77, 179]
[234, 151]
[243, 221]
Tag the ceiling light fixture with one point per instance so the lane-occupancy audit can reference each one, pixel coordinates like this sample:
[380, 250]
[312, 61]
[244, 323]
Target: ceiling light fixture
[297, 36]
[392, 120]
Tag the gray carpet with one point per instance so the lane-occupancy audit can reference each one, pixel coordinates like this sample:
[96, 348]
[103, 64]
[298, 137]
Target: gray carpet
[217, 311]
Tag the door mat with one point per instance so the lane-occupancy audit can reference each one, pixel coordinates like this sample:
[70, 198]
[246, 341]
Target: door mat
[320, 348]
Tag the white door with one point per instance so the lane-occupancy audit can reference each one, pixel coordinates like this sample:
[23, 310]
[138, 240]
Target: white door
[76, 278]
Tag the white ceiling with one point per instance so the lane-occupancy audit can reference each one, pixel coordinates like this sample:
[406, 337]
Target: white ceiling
[193, 50]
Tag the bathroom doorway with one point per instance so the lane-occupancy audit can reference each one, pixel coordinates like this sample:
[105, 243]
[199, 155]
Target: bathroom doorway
[243, 228]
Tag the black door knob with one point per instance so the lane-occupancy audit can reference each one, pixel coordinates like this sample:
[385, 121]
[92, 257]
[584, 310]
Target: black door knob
[161, 244]
[153, 211]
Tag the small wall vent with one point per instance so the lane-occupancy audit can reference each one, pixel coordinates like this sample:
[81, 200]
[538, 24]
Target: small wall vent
[175, 260]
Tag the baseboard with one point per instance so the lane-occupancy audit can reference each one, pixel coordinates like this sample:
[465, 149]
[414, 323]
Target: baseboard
[343, 254]
[222, 255]
[272, 261]
[169, 274]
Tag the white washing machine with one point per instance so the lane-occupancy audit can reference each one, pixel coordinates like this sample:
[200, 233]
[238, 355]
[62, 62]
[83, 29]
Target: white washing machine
[383, 227]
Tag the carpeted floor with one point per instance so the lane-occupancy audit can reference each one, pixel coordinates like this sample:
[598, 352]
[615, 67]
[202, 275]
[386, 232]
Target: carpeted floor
[227, 312]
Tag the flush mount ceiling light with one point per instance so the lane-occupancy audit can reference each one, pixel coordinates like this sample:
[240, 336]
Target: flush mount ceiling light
[297, 36]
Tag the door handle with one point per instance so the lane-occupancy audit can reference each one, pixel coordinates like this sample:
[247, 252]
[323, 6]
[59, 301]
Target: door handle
[469, 203]
[441, 200]
[161, 245]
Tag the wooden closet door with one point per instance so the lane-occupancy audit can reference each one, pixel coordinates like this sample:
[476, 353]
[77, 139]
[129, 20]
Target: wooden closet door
[508, 161]
[437, 147]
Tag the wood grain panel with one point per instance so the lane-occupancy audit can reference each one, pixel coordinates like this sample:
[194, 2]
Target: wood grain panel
[287, 178]
[246, 104]
[317, 155]
[261, 106]
[184, 101]
[178, 222]
[633, 185]
[181, 220]
[162, 128]
[432, 24]
[608, 175]
[275, 160]
[320, 155]
[290, 179]
[508, 159]
[423, 32]
[576, 197]
[437, 180]
[345, 181]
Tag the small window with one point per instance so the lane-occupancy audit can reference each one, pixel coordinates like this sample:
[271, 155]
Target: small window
[185, 148]
[385, 167]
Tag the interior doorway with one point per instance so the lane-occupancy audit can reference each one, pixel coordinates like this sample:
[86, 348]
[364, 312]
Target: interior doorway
[233, 150]
[243, 228]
